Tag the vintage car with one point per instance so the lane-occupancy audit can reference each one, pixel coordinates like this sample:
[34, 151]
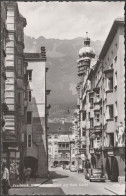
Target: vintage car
[53, 166]
[73, 168]
[96, 175]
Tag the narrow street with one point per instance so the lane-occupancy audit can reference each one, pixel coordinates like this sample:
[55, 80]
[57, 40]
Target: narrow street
[64, 182]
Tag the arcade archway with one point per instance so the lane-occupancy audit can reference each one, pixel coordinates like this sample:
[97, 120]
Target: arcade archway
[32, 163]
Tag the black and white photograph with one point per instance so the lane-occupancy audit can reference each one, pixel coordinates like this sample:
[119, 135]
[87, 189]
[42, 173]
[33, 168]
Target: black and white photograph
[62, 97]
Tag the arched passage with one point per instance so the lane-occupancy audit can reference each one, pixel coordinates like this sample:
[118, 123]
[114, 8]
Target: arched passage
[32, 163]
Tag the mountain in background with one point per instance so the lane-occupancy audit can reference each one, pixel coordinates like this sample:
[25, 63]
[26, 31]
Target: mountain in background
[62, 76]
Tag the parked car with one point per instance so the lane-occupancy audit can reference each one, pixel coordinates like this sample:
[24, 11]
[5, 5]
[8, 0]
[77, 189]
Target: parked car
[73, 168]
[97, 175]
[67, 167]
[53, 166]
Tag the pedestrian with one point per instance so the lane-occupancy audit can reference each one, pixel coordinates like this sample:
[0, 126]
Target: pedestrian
[25, 174]
[17, 171]
[35, 175]
[5, 179]
[28, 173]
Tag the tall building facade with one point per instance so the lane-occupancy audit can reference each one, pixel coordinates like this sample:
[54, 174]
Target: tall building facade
[102, 104]
[36, 150]
[24, 97]
[14, 85]
[4, 107]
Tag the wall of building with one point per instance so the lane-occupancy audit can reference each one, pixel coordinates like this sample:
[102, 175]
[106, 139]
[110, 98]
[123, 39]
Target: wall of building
[37, 106]
[104, 133]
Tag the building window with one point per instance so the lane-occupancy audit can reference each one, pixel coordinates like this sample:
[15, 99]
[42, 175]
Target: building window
[49, 150]
[115, 110]
[55, 136]
[10, 26]
[110, 83]
[91, 144]
[111, 139]
[29, 75]
[97, 117]
[115, 59]
[67, 145]
[19, 99]
[29, 117]
[83, 115]
[49, 137]
[60, 145]
[19, 36]
[29, 96]
[111, 66]
[91, 123]
[91, 100]
[83, 133]
[110, 112]
[88, 115]
[19, 66]
[97, 96]
[29, 141]
[115, 78]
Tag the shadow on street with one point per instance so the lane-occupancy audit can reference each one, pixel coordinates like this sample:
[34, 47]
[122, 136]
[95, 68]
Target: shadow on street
[54, 175]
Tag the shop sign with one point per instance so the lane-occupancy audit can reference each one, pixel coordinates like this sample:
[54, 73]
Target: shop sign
[110, 153]
[12, 148]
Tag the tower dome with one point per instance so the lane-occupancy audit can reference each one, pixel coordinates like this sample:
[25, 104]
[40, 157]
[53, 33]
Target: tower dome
[87, 51]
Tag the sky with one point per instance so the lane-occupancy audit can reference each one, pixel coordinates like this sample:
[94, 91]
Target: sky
[68, 20]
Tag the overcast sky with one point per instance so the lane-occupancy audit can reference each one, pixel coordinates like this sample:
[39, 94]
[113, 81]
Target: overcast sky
[68, 20]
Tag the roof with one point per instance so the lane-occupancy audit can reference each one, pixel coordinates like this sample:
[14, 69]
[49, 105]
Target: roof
[117, 22]
[60, 128]
[36, 56]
